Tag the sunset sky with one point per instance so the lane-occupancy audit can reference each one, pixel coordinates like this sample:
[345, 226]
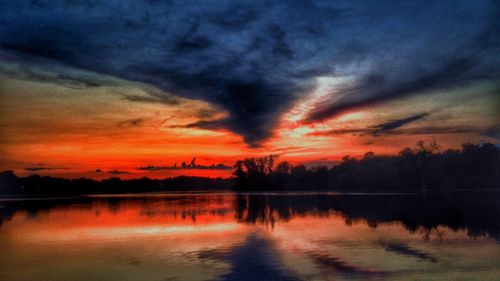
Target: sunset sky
[129, 88]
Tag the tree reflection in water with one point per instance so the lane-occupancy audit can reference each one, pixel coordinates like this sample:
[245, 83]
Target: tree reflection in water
[242, 236]
[478, 213]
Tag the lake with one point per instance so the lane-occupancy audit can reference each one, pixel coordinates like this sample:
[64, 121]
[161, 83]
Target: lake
[267, 236]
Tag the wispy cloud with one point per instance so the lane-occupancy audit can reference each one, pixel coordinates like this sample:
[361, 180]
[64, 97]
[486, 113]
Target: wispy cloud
[206, 125]
[153, 95]
[169, 100]
[41, 167]
[44, 72]
[134, 122]
[339, 132]
[394, 124]
[117, 172]
[414, 131]
[393, 127]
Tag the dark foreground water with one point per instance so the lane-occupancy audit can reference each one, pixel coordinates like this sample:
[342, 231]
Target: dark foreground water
[229, 236]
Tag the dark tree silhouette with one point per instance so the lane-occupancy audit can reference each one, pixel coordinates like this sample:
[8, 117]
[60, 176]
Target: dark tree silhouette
[423, 168]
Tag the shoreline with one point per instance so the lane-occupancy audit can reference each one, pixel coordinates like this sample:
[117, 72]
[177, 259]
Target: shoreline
[9, 198]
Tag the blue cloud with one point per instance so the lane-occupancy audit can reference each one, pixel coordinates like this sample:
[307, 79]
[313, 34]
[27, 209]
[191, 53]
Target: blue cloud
[256, 58]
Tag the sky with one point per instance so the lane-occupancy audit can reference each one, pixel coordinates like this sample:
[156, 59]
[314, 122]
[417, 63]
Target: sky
[130, 88]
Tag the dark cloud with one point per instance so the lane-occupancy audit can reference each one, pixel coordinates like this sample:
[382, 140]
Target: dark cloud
[34, 169]
[377, 88]
[393, 124]
[40, 167]
[413, 131]
[133, 122]
[392, 128]
[340, 132]
[254, 59]
[207, 113]
[437, 130]
[445, 64]
[493, 132]
[169, 100]
[205, 125]
[117, 172]
[68, 79]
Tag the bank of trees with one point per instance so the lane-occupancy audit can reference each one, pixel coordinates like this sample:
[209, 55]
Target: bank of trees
[424, 167]
[36, 185]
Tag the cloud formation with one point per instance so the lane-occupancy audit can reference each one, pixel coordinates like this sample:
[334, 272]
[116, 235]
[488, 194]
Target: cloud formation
[134, 122]
[493, 132]
[394, 124]
[117, 172]
[41, 167]
[429, 130]
[393, 127]
[153, 96]
[255, 59]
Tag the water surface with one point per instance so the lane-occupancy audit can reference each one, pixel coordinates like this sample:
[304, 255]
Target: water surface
[228, 236]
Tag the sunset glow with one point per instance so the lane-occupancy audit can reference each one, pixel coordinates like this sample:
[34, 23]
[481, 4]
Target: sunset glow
[249, 140]
[115, 109]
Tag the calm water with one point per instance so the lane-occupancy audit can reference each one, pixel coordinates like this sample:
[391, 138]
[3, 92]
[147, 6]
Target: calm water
[230, 236]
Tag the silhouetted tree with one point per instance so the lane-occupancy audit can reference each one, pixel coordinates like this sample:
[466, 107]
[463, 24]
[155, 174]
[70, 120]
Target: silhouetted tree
[283, 167]
[253, 173]
[423, 168]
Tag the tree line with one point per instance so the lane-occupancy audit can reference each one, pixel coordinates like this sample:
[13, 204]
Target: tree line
[35, 185]
[424, 167]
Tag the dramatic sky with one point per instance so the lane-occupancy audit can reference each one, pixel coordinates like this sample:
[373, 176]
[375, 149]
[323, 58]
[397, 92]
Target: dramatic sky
[129, 88]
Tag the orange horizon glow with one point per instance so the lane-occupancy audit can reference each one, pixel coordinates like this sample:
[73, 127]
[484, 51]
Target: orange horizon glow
[72, 133]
